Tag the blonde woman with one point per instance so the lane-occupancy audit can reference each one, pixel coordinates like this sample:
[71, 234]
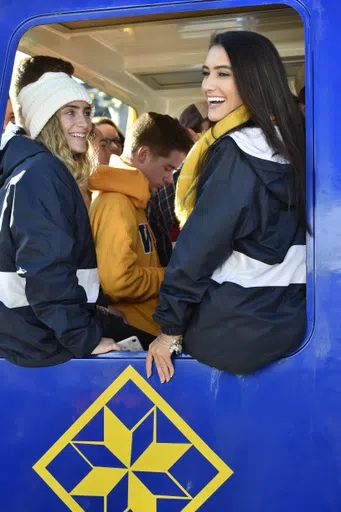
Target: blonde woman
[48, 271]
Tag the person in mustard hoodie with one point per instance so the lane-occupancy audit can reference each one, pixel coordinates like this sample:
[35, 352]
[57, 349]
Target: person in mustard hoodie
[129, 268]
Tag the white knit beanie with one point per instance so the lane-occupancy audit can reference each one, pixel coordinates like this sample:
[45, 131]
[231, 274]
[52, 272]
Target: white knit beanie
[40, 100]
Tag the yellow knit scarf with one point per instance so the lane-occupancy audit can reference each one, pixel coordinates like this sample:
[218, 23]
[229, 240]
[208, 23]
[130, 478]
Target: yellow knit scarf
[186, 188]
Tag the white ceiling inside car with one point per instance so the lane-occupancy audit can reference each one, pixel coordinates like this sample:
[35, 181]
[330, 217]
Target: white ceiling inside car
[155, 65]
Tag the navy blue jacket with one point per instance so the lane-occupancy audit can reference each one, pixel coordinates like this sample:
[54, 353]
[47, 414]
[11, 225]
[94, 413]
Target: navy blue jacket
[235, 284]
[48, 272]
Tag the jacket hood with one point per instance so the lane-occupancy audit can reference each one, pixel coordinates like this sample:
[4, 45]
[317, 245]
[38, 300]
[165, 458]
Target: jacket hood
[275, 172]
[15, 149]
[121, 177]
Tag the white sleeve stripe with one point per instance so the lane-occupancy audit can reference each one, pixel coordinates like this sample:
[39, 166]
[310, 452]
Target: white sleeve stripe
[12, 290]
[89, 280]
[12, 287]
[14, 181]
[251, 273]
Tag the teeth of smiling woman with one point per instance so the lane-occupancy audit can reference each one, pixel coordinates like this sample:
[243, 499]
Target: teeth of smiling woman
[216, 99]
[79, 135]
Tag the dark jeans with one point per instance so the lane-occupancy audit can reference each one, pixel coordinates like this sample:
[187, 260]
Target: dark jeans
[114, 327]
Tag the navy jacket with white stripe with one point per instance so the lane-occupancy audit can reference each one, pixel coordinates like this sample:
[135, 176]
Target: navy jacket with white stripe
[48, 276]
[235, 285]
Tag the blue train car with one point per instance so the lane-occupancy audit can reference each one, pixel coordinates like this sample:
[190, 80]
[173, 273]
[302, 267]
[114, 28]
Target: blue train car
[95, 435]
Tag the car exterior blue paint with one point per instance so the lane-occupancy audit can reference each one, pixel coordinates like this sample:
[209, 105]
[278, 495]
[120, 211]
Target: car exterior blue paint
[279, 430]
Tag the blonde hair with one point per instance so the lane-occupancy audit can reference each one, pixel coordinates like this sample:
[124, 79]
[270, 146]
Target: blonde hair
[80, 166]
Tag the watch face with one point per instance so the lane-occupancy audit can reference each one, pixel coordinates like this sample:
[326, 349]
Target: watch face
[177, 348]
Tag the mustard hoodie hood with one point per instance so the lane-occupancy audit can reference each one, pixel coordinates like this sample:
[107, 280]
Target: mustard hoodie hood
[121, 177]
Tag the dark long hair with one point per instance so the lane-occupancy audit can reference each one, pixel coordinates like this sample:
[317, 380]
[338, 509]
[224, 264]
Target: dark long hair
[263, 86]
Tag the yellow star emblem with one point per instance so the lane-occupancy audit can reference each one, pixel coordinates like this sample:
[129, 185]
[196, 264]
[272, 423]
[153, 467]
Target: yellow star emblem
[131, 452]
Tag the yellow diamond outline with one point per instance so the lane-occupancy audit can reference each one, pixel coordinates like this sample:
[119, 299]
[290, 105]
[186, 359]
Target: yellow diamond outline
[224, 471]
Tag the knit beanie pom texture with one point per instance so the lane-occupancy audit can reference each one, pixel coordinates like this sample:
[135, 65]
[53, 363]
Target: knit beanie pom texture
[40, 100]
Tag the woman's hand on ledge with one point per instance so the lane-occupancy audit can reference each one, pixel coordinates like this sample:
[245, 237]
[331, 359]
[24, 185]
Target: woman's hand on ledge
[160, 350]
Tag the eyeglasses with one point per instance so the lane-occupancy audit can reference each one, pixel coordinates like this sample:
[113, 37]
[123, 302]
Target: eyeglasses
[116, 141]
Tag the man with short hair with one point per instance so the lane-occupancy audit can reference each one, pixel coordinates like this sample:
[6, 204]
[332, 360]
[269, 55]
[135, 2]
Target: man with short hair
[129, 268]
[161, 208]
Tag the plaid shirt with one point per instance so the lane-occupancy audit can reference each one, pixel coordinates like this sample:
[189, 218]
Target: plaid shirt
[161, 217]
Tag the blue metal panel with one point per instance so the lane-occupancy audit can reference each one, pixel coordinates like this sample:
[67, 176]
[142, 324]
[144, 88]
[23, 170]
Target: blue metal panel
[278, 430]
[271, 429]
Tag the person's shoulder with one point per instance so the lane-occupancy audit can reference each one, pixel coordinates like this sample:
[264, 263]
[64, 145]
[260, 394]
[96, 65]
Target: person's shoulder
[116, 202]
[52, 163]
[226, 159]
[46, 173]
[223, 149]
[222, 152]
[112, 197]
[29, 152]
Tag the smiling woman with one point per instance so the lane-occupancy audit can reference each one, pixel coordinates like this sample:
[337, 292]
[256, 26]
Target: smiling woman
[235, 285]
[61, 126]
[75, 121]
[218, 85]
[48, 253]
